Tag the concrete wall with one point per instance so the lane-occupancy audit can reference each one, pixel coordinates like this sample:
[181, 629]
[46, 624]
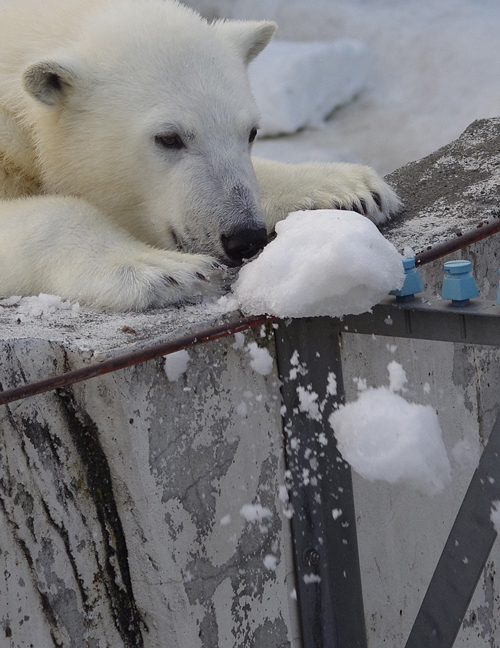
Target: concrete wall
[120, 505]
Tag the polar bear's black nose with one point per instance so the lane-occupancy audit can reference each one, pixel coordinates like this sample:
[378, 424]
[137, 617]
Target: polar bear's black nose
[244, 243]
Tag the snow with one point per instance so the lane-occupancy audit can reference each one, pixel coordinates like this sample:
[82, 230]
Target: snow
[270, 562]
[176, 364]
[385, 437]
[299, 84]
[41, 307]
[255, 512]
[261, 361]
[495, 515]
[326, 262]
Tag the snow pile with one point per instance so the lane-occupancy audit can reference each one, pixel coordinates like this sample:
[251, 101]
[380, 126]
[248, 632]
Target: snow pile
[176, 364]
[324, 262]
[41, 307]
[299, 84]
[383, 436]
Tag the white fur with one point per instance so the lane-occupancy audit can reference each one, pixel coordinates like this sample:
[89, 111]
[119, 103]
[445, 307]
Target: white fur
[92, 208]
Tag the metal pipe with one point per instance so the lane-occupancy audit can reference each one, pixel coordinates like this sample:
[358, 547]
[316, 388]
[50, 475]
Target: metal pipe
[480, 232]
[133, 358]
[483, 230]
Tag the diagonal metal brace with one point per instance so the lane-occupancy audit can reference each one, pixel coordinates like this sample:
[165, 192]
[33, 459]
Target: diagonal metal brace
[464, 556]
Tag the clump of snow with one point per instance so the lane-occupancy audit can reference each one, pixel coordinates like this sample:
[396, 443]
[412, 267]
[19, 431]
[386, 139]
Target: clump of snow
[331, 385]
[495, 515]
[255, 512]
[311, 578]
[176, 364]
[261, 361]
[239, 341]
[308, 402]
[397, 376]
[385, 437]
[298, 84]
[226, 520]
[324, 262]
[270, 562]
[41, 307]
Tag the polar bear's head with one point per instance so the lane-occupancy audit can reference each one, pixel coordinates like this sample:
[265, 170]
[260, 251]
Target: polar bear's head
[148, 114]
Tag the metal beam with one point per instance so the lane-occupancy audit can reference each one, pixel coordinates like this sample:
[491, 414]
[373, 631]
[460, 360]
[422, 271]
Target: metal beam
[324, 522]
[464, 556]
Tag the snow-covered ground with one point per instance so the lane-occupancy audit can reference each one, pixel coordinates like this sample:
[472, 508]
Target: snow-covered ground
[435, 69]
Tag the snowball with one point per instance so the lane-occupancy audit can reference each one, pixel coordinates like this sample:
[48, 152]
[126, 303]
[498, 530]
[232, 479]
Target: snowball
[324, 262]
[383, 436]
[495, 515]
[261, 361]
[225, 520]
[255, 512]
[298, 84]
[176, 364]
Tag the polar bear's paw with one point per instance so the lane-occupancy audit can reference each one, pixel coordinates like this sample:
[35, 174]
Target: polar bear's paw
[315, 185]
[160, 279]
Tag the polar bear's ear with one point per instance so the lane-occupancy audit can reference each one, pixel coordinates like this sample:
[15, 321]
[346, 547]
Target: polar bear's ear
[49, 82]
[250, 37]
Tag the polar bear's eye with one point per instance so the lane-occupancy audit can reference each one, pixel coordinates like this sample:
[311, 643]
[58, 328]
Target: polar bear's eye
[170, 141]
[253, 135]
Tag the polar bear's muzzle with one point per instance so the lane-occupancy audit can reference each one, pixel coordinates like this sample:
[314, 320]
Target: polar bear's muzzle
[243, 244]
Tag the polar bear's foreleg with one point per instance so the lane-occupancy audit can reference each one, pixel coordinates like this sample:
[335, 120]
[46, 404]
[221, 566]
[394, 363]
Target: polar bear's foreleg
[315, 185]
[64, 246]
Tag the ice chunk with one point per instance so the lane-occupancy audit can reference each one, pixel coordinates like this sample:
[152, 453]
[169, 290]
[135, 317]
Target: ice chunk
[298, 84]
[383, 436]
[324, 262]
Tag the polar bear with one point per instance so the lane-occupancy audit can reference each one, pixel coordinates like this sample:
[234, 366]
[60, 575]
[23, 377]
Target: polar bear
[126, 176]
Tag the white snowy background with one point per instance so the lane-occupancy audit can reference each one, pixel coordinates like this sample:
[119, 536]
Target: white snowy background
[434, 68]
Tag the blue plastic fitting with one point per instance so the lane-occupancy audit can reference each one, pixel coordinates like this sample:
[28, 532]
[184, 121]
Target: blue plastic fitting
[498, 296]
[413, 282]
[458, 283]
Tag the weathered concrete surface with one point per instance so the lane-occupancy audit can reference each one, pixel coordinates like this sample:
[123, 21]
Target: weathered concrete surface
[112, 493]
[402, 533]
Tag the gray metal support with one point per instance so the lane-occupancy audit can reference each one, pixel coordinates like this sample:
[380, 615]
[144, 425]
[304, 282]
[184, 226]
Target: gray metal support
[324, 522]
[464, 556]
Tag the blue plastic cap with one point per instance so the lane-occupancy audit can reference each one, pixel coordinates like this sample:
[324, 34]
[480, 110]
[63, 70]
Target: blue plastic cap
[459, 266]
[408, 263]
[459, 284]
[413, 282]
